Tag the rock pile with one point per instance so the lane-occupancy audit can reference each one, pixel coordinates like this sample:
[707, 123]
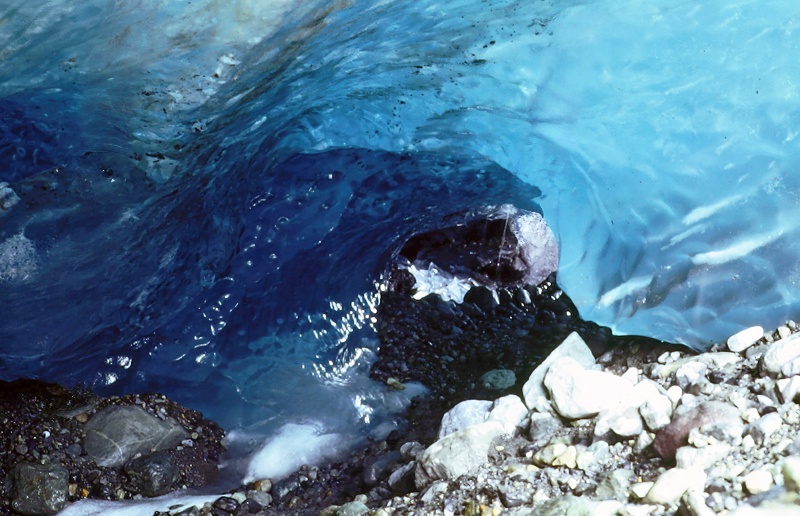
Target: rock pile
[58, 446]
[629, 433]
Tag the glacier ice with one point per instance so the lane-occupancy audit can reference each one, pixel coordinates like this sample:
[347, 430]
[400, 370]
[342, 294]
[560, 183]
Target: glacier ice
[209, 191]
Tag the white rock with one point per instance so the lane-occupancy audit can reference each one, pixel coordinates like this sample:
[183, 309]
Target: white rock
[508, 411]
[758, 481]
[577, 392]
[632, 375]
[781, 352]
[791, 473]
[792, 367]
[627, 423]
[762, 428]
[533, 391]
[641, 489]
[695, 503]
[688, 456]
[788, 388]
[745, 338]
[656, 412]
[690, 374]
[463, 415]
[674, 394]
[457, 454]
[671, 485]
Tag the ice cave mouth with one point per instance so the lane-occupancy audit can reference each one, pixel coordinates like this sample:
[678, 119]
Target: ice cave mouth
[503, 248]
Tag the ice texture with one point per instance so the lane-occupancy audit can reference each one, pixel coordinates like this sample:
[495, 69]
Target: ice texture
[209, 192]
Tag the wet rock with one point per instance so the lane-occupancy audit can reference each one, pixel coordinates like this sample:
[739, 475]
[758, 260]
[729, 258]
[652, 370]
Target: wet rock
[153, 474]
[456, 454]
[533, 390]
[39, 489]
[463, 415]
[578, 393]
[117, 433]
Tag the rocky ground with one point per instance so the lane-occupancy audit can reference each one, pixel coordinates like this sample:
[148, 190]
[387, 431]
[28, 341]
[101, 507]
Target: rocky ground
[58, 446]
[642, 428]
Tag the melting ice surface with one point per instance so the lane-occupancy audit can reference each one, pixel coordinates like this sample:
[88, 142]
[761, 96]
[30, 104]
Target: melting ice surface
[210, 191]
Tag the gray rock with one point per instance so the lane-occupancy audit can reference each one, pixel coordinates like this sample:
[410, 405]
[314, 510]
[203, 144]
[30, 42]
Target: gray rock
[117, 433]
[615, 485]
[153, 474]
[578, 393]
[688, 456]
[401, 481]
[39, 489]
[352, 509]
[691, 375]
[514, 493]
[498, 379]
[533, 391]
[508, 411]
[456, 454]
[542, 427]
[676, 434]
[376, 470]
[571, 505]
[411, 450]
[656, 412]
[465, 414]
[745, 338]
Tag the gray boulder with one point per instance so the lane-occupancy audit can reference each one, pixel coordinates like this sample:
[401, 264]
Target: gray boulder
[117, 433]
[39, 489]
[456, 454]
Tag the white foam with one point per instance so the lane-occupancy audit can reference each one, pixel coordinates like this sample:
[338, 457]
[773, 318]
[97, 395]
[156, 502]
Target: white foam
[293, 446]
[174, 502]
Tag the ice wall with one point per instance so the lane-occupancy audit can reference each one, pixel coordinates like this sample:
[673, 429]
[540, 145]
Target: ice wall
[183, 165]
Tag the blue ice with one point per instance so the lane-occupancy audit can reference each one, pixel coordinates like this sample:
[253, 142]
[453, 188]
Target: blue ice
[209, 191]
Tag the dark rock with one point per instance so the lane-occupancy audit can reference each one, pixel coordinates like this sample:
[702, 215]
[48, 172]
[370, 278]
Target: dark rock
[117, 433]
[39, 489]
[153, 474]
[483, 297]
[226, 503]
[401, 481]
[377, 469]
